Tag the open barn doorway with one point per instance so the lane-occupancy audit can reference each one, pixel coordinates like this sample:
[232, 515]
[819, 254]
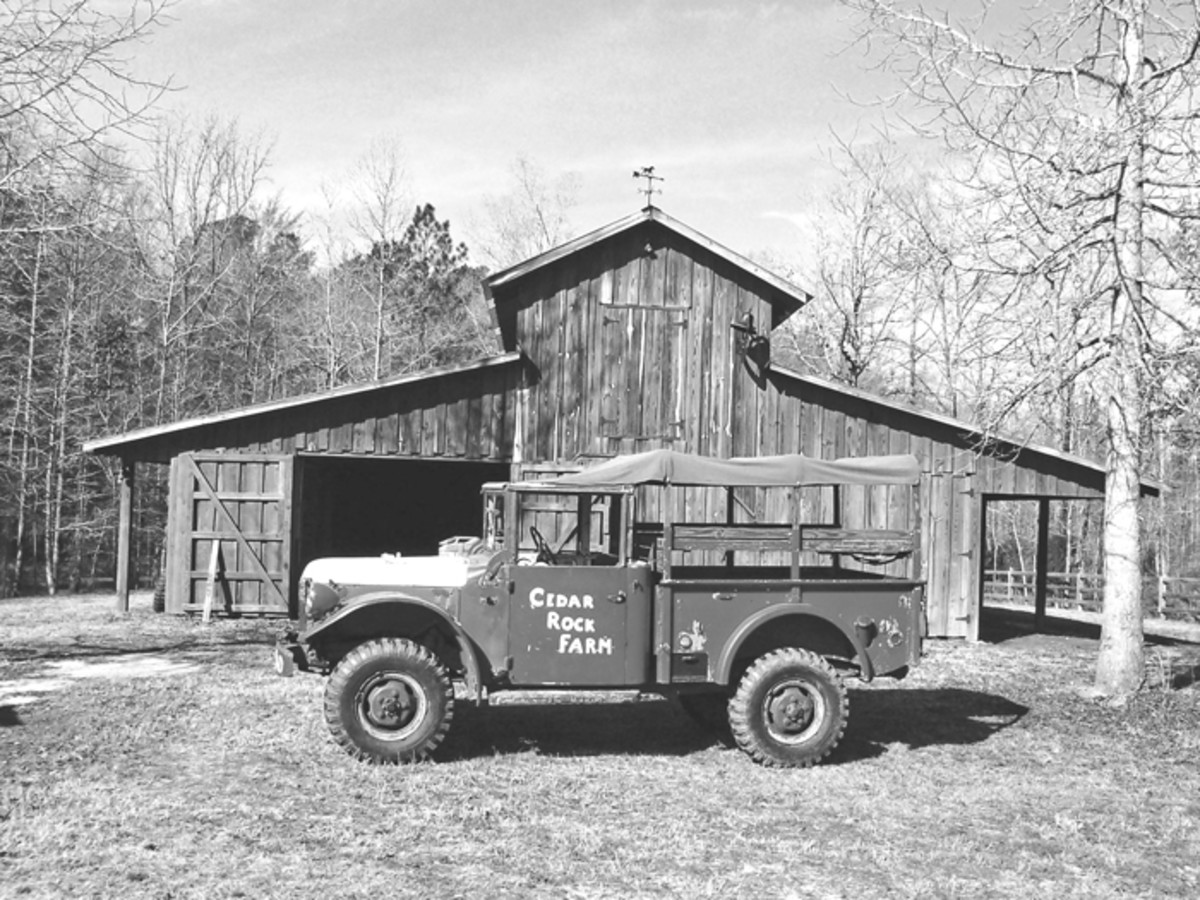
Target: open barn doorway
[355, 506]
[1041, 556]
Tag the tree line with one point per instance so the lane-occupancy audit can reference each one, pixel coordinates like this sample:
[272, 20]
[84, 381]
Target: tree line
[147, 275]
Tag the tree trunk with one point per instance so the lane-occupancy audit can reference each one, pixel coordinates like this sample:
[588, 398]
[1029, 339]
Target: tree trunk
[24, 418]
[1119, 664]
[57, 456]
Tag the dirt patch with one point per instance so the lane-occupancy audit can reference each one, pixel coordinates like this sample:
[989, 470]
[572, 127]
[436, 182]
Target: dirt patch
[60, 674]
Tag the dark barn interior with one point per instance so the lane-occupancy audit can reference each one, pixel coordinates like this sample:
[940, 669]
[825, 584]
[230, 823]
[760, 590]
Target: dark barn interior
[354, 506]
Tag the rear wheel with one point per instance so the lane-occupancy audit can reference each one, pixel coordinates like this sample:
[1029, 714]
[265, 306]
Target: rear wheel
[389, 701]
[790, 708]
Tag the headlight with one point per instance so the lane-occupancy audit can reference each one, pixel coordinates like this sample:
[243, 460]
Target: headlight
[319, 598]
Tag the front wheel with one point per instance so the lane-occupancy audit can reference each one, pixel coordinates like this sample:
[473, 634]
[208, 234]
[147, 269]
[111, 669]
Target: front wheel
[389, 701]
[790, 708]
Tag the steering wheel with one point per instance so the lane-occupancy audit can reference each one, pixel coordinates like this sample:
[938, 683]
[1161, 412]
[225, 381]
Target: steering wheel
[544, 553]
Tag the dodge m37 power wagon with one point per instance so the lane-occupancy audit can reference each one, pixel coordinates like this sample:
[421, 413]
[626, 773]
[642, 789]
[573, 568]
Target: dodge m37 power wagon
[616, 578]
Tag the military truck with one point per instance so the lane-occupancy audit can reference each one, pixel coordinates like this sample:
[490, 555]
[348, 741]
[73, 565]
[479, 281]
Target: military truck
[615, 577]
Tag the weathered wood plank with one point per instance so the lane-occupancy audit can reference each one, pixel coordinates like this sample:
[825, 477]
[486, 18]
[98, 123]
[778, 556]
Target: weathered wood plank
[574, 366]
[549, 361]
[387, 434]
[699, 342]
[721, 407]
[592, 426]
[474, 425]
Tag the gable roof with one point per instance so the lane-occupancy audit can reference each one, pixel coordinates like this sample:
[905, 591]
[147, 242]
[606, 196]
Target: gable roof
[786, 297]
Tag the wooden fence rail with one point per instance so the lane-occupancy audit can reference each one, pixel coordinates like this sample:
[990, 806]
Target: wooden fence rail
[1169, 598]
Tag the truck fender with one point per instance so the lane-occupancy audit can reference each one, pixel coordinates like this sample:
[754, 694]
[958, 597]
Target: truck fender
[466, 650]
[724, 665]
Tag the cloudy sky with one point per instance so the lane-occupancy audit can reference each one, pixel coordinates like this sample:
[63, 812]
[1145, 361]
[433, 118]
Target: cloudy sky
[733, 101]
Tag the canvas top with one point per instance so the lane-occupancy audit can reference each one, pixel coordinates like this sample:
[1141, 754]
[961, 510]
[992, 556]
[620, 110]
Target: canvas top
[672, 467]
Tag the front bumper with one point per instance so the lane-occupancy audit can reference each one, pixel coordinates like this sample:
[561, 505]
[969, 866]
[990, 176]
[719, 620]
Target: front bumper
[288, 655]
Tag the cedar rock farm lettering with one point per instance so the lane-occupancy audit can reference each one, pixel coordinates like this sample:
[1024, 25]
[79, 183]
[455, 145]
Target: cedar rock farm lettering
[571, 627]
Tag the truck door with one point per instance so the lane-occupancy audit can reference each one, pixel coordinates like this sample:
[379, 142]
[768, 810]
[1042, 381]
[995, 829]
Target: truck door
[579, 625]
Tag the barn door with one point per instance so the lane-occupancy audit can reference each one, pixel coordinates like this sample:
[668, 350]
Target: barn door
[230, 516]
[947, 544]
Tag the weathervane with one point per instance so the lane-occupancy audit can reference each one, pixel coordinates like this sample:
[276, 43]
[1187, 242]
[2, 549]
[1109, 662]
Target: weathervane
[649, 190]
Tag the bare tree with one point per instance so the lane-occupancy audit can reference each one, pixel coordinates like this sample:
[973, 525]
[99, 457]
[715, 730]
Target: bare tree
[198, 208]
[1083, 148]
[378, 217]
[65, 86]
[530, 218]
[860, 298]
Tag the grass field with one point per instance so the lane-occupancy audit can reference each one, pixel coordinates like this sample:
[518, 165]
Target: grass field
[198, 773]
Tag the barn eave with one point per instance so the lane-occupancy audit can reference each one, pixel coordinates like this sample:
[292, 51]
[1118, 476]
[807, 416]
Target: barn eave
[968, 435]
[158, 443]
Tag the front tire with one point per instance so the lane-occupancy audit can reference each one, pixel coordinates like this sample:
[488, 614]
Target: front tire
[389, 701]
[790, 709]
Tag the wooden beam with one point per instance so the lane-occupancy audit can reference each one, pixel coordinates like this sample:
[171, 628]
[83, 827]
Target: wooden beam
[1043, 561]
[124, 533]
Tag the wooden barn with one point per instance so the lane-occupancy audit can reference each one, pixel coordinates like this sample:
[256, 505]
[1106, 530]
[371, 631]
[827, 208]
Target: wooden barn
[641, 334]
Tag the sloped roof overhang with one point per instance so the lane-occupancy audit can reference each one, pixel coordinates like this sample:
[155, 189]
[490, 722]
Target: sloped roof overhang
[970, 435]
[144, 443]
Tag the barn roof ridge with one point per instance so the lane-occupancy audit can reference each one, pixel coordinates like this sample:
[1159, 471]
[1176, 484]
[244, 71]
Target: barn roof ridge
[948, 421]
[788, 295]
[107, 444]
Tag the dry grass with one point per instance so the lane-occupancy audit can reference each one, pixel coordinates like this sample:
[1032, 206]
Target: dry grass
[982, 775]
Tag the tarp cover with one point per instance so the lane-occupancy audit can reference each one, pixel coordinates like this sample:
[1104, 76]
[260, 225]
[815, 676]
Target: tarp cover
[672, 467]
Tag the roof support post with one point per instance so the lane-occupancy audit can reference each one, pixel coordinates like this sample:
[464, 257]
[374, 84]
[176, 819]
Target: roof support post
[1043, 563]
[124, 533]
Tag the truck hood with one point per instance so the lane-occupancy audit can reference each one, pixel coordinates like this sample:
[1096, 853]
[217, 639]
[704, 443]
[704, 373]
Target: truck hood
[389, 570]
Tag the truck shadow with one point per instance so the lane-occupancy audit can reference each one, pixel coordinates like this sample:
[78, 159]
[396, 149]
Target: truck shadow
[879, 720]
[651, 727]
[915, 718]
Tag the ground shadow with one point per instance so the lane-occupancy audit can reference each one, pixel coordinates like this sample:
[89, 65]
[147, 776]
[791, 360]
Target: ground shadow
[879, 718]
[207, 644]
[999, 626]
[922, 717]
[9, 716]
[1002, 625]
[650, 727]
[1185, 676]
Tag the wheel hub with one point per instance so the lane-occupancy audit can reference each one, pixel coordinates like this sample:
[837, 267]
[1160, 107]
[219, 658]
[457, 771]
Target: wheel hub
[391, 705]
[790, 710]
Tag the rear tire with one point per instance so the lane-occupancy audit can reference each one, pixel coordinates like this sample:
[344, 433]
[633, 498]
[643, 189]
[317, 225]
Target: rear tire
[790, 709]
[389, 701]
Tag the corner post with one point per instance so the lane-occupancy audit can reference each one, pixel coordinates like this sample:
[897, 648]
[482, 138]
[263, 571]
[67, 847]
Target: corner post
[124, 533]
[1043, 563]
